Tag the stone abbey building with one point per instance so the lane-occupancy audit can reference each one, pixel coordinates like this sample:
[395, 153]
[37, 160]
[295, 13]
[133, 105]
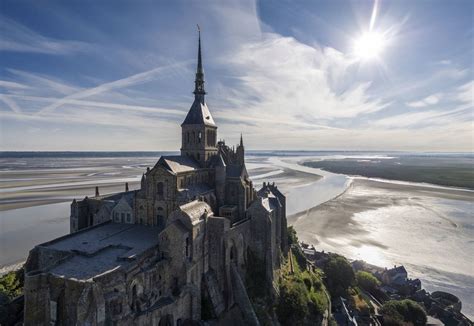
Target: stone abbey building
[179, 247]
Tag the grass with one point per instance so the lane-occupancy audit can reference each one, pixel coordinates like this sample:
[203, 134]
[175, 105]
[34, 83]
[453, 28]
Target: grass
[441, 171]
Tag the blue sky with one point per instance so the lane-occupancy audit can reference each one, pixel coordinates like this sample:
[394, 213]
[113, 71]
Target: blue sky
[118, 75]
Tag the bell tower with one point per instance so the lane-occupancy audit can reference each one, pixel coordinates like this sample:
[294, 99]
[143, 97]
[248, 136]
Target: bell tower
[198, 130]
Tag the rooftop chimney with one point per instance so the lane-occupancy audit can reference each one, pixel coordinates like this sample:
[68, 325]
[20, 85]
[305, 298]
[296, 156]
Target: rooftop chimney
[97, 191]
[126, 186]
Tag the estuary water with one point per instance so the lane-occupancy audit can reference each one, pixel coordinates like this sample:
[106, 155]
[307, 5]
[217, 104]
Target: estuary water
[428, 229]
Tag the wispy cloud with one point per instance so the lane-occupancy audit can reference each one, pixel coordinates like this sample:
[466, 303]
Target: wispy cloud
[96, 104]
[429, 100]
[10, 103]
[299, 82]
[135, 79]
[16, 37]
[9, 85]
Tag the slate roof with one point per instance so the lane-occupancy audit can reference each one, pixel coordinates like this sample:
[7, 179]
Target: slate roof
[236, 171]
[177, 164]
[397, 269]
[192, 191]
[199, 114]
[217, 161]
[195, 210]
[101, 249]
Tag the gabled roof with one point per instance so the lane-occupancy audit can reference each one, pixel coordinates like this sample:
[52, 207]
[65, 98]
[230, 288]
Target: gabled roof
[177, 164]
[396, 270]
[196, 208]
[199, 114]
[217, 161]
[236, 171]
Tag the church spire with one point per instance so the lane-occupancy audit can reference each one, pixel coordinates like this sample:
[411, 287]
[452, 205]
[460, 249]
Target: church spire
[241, 140]
[199, 91]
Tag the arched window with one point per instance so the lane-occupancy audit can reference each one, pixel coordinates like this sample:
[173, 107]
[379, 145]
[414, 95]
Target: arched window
[187, 247]
[199, 137]
[160, 190]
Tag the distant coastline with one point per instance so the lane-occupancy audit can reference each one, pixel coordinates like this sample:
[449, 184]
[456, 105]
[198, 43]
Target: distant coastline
[266, 153]
[438, 170]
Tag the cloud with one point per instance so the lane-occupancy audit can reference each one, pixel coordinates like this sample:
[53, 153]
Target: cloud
[12, 85]
[135, 79]
[465, 93]
[35, 82]
[283, 78]
[10, 103]
[429, 100]
[16, 37]
[96, 104]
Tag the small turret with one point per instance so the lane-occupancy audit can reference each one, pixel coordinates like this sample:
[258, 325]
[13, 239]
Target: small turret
[126, 186]
[97, 191]
[241, 151]
[142, 183]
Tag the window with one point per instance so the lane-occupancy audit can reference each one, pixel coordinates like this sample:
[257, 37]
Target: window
[198, 155]
[187, 247]
[128, 218]
[187, 136]
[199, 137]
[159, 189]
[123, 217]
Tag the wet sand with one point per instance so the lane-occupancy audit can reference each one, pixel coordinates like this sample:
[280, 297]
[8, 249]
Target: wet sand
[35, 199]
[427, 229]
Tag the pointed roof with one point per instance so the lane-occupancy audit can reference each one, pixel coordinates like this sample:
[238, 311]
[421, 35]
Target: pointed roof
[178, 164]
[199, 112]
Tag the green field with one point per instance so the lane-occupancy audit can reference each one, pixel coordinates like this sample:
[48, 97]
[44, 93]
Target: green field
[444, 171]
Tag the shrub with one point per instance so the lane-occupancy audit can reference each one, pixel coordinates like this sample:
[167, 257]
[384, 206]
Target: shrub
[292, 307]
[11, 284]
[292, 236]
[400, 312]
[367, 281]
[339, 275]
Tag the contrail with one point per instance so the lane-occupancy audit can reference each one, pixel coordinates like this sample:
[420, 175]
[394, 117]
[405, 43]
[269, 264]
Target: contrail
[120, 83]
[374, 14]
[11, 104]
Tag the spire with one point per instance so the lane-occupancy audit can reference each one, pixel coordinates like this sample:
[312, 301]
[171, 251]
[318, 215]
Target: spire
[241, 140]
[199, 91]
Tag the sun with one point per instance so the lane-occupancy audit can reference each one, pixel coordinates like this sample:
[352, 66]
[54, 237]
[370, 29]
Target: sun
[369, 45]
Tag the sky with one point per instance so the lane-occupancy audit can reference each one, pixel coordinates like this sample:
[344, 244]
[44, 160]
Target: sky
[288, 75]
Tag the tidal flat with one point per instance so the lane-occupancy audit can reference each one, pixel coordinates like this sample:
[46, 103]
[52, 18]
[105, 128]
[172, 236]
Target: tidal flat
[427, 228]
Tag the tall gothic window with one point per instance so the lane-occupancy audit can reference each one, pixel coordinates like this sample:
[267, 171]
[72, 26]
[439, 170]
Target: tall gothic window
[159, 190]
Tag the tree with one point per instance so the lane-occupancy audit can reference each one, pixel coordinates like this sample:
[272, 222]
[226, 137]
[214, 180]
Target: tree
[11, 284]
[367, 281]
[339, 275]
[292, 307]
[400, 312]
[292, 236]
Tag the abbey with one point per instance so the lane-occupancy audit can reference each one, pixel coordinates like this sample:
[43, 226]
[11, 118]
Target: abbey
[175, 251]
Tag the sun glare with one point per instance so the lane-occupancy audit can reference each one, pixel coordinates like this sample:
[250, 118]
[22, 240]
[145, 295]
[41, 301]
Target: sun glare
[369, 45]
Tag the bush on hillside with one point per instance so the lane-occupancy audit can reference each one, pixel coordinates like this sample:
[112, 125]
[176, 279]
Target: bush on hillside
[339, 275]
[401, 312]
[367, 281]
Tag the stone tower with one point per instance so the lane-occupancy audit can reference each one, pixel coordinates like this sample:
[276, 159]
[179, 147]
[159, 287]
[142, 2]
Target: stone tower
[199, 132]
